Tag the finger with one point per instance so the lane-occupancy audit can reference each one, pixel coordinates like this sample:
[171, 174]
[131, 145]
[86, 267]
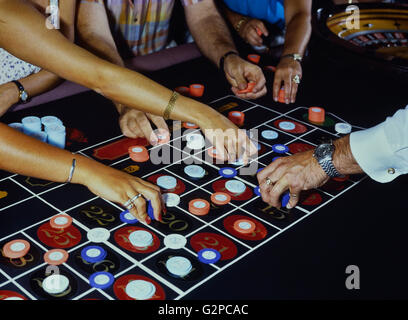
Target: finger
[261, 26]
[253, 38]
[252, 95]
[279, 187]
[140, 204]
[159, 122]
[240, 79]
[294, 194]
[265, 190]
[293, 92]
[288, 87]
[260, 80]
[147, 129]
[134, 128]
[230, 142]
[277, 83]
[148, 184]
[155, 200]
[269, 170]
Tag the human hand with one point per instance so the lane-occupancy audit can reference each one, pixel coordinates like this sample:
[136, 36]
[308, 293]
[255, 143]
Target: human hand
[9, 95]
[119, 187]
[252, 32]
[295, 173]
[239, 72]
[135, 124]
[286, 70]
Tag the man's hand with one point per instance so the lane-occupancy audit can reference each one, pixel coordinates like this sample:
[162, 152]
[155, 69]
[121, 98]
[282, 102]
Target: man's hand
[295, 173]
[9, 95]
[136, 124]
[249, 32]
[239, 72]
[286, 70]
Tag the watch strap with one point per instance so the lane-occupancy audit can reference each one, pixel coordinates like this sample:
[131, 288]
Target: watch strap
[294, 56]
[328, 167]
[19, 85]
[222, 59]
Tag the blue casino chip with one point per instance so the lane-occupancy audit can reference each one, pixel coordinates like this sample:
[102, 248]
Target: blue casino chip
[260, 169]
[127, 217]
[228, 172]
[101, 280]
[93, 254]
[257, 191]
[150, 210]
[208, 255]
[280, 148]
[285, 199]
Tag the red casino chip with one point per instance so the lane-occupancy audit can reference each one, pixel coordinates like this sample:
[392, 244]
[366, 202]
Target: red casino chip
[119, 287]
[259, 233]
[121, 237]
[219, 186]
[297, 147]
[11, 295]
[179, 189]
[59, 238]
[215, 241]
[298, 127]
[311, 199]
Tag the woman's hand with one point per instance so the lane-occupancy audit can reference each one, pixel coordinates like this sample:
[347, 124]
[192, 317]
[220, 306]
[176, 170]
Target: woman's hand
[252, 31]
[286, 70]
[230, 142]
[119, 187]
[9, 95]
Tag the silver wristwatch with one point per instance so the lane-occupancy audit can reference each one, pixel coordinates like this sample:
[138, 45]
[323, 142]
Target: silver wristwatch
[294, 56]
[324, 155]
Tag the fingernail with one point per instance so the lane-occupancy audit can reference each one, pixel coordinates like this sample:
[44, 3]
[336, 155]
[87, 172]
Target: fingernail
[275, 99]
[148, 220]
[154, 142]
[288, 206]
[164, 210]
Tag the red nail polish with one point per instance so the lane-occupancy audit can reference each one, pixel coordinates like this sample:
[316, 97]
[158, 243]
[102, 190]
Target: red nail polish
[148, 220]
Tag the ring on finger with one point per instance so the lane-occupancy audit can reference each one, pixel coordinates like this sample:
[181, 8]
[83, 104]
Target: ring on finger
[296, 79]
[293, 195]
[130, 201]
[268, 181]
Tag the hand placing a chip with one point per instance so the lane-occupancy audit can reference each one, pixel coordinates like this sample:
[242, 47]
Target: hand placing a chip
[286, 70]
[137, 124]
[295, 173]
[240, 72]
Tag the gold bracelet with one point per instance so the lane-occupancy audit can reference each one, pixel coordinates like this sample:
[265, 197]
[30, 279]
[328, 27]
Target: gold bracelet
[239, 24]
[170, 106]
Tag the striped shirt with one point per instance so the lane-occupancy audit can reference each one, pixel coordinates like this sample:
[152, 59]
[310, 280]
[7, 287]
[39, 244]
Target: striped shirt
[143, 24]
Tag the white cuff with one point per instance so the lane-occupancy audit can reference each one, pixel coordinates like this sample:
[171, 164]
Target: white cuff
[373, 153]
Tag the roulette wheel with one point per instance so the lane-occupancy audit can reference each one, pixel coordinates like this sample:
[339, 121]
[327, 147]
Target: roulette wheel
[373, 35]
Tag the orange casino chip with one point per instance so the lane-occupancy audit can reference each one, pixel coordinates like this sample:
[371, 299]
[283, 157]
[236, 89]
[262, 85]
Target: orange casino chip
[316, 114]
[255, 58]
[56, 257]
[183, 90]
[220, 198]
[249, 88]
[237, 117]
[259, 31]
[61, 221]
[244, 226]
[196, 90]
[139, 153]
[16, 249]
[281, 96]
[199, 207]
[189, 125]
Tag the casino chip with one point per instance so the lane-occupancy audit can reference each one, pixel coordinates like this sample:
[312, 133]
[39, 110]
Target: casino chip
[140, 289]
[287, 125]
[227, 172]
[199, 207]
[342, 128]
[194, 171]
[257, 191]
[244, 226]
[61, 221]
[239, 162]
[220, 198]
[280, 148]
[235, 186]
[171, 199]
[127, 217]
[209, 255]
[56, 257]
[101, 280]
[178, 266]
[141, 238]
[195, 141]
[49, 120]
[98, 235]
[93, 254]
[175, 241]
[166, 182]
[16, 249]
[269, 134]
[138, 153]
[285, 199]
[55, 284]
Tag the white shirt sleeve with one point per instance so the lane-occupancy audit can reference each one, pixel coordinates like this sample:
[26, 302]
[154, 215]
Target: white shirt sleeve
[382, 151]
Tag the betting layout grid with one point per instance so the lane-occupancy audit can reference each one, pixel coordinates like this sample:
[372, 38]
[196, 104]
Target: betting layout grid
[24, 276]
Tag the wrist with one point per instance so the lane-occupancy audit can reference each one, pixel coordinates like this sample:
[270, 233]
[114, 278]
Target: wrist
[83, 168]
[11, 93]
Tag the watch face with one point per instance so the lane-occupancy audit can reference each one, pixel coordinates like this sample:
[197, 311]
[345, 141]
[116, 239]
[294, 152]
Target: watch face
[24, 96]
[324, 151]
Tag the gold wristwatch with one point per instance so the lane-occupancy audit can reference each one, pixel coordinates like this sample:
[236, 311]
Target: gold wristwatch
[294, 56]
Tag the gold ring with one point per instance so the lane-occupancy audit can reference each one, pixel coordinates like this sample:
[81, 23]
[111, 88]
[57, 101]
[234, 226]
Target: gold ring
[268, 181]
[292, 195]
[296, 79]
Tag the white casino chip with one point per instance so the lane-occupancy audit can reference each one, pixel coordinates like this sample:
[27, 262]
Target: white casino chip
[141, 238]
[166, 182]
[140, 289]
[14, 298]
[175, 241]
[269, 134]
[98, 235]
[235, 186]
[171, 199]
[286, 125]
[342, 127]
[195, 141]
[194, 171]
[55, 284]
[179, 266]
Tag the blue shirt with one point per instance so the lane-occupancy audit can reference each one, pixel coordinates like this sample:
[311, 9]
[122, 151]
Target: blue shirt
[269, 10]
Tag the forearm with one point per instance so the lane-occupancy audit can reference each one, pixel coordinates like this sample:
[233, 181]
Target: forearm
[343, 158]
[71, 62]
[27, 156]
[209, 31]
[298, 31]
